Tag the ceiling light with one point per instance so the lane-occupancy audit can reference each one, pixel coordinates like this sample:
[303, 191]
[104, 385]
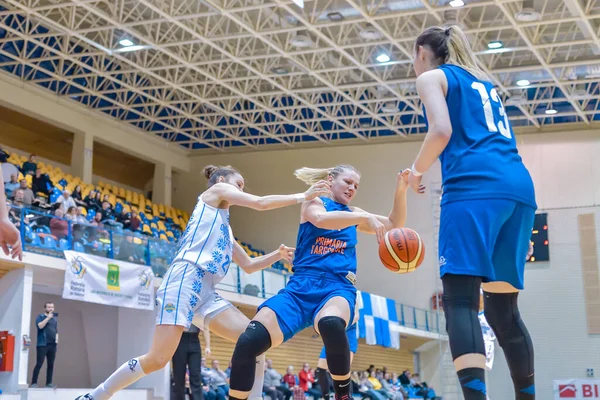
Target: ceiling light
[335, 16]
[370, 34]
[551, 111]
[457, 3]
[130, 48]
[495, 45]
[383, 58]
[125, 42]
[523, 82]
[299, 3]
[301, 41]
[527, 13]
[515, 100]
[280, 70]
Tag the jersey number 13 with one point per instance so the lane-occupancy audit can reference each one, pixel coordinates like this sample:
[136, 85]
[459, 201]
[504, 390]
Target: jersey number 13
[502, 126]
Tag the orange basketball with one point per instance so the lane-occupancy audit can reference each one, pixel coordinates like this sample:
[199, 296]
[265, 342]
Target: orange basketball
[402, 251]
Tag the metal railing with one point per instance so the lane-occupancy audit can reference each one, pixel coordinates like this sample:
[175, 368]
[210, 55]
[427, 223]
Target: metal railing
[47, 234]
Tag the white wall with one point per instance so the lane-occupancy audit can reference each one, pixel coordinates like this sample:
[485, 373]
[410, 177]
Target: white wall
[272, 172]
[15, 305]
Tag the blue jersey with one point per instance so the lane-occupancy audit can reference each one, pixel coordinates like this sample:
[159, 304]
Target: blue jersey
[481, 160]
[324, 250]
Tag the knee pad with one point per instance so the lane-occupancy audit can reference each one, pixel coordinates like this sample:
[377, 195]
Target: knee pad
[502, 314]
[333, 332]
[252, 343]
[461, 307]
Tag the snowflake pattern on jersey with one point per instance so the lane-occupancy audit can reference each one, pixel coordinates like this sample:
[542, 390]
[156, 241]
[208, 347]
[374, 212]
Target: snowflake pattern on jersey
[197, 287]
[193, 301]
[217, 256]
[199, 273]
[221, 243]
[190, 316]
[211, 267]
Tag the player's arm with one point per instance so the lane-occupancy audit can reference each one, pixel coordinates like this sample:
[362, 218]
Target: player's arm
[228, 193]
[206, 341]
[253, 264]
[9, 234]
[396, 217]
[432, 87]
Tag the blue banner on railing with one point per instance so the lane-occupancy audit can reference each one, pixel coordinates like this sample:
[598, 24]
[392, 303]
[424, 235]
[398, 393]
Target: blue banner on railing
[378, 321]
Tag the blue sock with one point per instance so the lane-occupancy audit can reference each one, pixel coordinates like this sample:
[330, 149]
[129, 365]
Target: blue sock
[472, 382]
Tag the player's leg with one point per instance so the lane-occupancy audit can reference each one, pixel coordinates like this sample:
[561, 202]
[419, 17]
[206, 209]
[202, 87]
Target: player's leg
[230, 324]
[501, 300]
[331, 322]
[468, 232]
[164, 344]
[175, 299]
[322, 374]
[261, 334]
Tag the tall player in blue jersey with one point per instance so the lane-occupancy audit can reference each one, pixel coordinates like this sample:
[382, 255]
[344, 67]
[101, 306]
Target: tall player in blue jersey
[188, 294]
[487, 208]
[321, 292]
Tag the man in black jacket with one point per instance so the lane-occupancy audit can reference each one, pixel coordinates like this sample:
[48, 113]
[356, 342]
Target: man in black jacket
[47, 341]
[187, 356]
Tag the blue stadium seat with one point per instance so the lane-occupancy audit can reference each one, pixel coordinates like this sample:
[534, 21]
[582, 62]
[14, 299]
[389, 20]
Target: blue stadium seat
[49, 242]
[63, 244]
[78, 246]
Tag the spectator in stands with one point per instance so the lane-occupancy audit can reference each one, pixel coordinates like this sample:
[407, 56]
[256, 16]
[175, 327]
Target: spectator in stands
[228, 370]
[14, 212]
[388, 389]
[368, 389]
[404, 378]
[127, 250]
[59, 227]
[134, 222]
[66, 201]
[106, 211]
[219, 379]
[97, 221]
[91, 201]
[30, 166]
[11, 186]
[273, 380]
[80, 217]
[78, 196]
[206, 374]
[41, 183]
[4, 155]
[289, 379]
[71, 214]
[422, 388]
[124, 218]
[27, 193]
[307, 379]
[47, 340]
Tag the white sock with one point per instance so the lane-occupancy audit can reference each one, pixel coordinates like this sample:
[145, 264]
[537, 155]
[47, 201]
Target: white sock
[128, 373]
[259, 379]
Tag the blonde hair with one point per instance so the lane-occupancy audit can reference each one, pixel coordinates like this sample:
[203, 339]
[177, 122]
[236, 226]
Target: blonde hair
[451, 46]
[310, 176]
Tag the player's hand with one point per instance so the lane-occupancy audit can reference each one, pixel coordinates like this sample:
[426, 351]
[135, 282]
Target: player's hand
[207, 351]
[402, 182]
[321, 188]
[10, 239]
[415, 183]
[286, 253]
[530, 251]
[377, 227]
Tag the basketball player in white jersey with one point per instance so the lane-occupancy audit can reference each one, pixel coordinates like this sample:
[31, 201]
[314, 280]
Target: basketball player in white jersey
[187, 292]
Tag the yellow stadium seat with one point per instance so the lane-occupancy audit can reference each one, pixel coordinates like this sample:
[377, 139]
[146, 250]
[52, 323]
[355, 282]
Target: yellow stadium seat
[29, 179]
[83, 211]
[101, 183]
[170, 234]
[163, 237]
[146, 229]
[153, 225]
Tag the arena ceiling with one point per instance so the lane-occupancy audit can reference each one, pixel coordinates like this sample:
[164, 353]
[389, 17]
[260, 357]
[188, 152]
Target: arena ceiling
[223, 74]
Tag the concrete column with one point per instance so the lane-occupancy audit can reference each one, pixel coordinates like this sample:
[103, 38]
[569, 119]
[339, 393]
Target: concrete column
[161, 188]
[82, 156]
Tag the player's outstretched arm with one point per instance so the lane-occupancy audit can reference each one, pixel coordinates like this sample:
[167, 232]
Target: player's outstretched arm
[250, 265]
[9, 234]
[230, 194]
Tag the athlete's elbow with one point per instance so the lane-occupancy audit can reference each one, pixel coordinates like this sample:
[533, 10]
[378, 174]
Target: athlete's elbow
[261, 204]
[441, 130]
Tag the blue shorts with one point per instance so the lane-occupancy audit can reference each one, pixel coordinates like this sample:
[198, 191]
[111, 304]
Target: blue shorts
[297, 305]
[352, 340]
[487, 238]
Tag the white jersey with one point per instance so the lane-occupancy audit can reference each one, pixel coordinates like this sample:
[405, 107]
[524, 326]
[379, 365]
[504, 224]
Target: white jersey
[187, 293]
[207, 242]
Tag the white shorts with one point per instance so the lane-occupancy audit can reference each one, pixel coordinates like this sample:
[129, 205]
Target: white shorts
[187, 295]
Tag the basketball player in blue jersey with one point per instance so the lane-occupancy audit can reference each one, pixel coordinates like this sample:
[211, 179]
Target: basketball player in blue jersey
[321, 292]
[487, 208]
[187, 293]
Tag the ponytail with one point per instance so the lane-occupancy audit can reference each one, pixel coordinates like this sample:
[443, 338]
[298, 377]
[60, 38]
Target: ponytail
[451, 46]
[310, 176]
